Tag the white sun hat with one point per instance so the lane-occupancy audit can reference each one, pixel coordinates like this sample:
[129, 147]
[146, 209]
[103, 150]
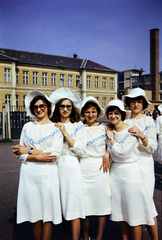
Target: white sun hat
[91, 99]
[137, 92]
[67, 94]
[160, 108]
[29, 97]
[119, 104]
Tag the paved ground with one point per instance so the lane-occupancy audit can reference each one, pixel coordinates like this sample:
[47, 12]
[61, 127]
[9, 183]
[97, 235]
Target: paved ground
[9, 230]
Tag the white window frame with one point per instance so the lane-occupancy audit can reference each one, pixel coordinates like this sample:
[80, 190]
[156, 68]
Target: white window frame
[88, 81]
[96, 82]
[104, 82]
[111, 83]
[25, 77]
[7, 74]
[44, 78]
[103, 102]
[53, 79]
[78, 81]
[17, 76]
[70, 80]
[8, 99]
[62, 80]
[17, 101]
[35, 78]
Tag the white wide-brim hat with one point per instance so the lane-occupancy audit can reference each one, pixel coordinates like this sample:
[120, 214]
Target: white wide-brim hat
[120, 105]
[137, 92]
[67, 94]
[160, 108]
[91, 99]
[29, 97]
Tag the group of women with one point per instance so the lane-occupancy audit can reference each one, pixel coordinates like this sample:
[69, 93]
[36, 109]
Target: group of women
[66, 162]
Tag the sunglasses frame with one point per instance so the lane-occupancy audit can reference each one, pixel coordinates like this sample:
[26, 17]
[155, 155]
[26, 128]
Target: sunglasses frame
[41, 106]
[68, 107]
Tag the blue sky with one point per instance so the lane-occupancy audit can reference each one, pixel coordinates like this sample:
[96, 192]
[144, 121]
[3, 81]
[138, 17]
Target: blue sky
[115, 33]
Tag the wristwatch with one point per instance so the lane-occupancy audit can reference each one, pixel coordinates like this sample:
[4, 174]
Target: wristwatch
[30, 151]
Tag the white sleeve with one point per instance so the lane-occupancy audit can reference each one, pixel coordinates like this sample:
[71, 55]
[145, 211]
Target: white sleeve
[22, 158]
[56, 144]
[124, 149]
[150, 133]
[80, 141]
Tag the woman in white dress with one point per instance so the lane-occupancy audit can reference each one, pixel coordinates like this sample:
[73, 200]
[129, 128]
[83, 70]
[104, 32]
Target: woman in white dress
[96, 186]
[67, 116]
[159, 133]
[144, 128]
[130, 204]
[38, 192]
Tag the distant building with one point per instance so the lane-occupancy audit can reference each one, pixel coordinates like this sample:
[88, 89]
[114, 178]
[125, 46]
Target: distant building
[21, 72]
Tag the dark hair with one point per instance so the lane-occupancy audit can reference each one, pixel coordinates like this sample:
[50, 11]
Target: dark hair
[90, 104]
[112, 108]
[35, 99]
[128, 100]
[74, 116]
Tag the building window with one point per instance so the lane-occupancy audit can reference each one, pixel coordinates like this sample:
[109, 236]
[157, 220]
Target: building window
[24, 101]
[111, 98]
[78, 81]
[111, 83]
[8, 99]
[35, 78]
[104, 82]
[88, 81]
[70, 80]
[96, 82]
[160, 96]
[104, 102]
[62, 80]
[17, 76]
[97, 98]
[53, 79]
[44, 78]
[25, 77]
[17, 101]
[7, 75]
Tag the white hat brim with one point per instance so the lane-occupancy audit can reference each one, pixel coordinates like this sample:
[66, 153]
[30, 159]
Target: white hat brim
[29, 97]
[66, 93]
[91, 99]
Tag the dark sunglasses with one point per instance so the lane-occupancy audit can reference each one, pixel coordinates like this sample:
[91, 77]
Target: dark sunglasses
[68, 107]
[41, 106]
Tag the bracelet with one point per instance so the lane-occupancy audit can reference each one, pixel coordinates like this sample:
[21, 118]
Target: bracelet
[143, 138]
[111, 139]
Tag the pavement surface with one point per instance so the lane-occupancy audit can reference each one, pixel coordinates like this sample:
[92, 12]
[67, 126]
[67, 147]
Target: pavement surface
[9, 177]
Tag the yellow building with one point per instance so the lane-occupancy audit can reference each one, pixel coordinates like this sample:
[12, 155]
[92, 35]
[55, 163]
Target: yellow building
[21, 72]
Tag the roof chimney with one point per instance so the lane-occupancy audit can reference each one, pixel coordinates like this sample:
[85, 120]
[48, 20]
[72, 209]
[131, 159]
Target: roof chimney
[75, 55]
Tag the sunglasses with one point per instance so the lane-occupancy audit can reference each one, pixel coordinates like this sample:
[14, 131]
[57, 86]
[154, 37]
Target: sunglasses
[68, 107]
[41, 106]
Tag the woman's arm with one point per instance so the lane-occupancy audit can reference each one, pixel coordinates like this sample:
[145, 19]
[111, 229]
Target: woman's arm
[19, 150]
[135, 131]
[67, 137]
[106, 162]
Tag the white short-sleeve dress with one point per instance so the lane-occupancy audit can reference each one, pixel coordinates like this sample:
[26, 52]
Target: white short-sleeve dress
[70, 174]
[38, 191]
[96, 184]
[130, 202]
[159, 133]
[146, 162]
